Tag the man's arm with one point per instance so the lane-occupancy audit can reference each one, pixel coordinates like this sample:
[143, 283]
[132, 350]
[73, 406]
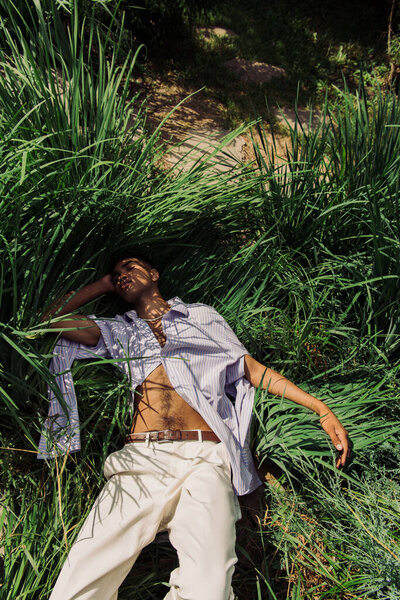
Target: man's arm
[83, 330]
[278, 385]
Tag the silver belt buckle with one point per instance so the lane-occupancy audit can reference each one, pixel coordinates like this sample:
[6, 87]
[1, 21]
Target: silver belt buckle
[167, 436]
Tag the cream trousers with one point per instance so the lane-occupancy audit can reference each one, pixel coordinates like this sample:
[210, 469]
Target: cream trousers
[180, 487]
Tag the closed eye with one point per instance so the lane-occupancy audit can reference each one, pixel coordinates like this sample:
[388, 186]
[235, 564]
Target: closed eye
[128, 266]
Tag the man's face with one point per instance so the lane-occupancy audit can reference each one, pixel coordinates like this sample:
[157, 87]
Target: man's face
[132, 277]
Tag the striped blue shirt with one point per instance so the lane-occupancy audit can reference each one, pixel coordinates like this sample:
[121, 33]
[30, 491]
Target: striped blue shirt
[203, 359]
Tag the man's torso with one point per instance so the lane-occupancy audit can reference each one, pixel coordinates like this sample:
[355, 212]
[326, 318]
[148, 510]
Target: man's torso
[158, 406]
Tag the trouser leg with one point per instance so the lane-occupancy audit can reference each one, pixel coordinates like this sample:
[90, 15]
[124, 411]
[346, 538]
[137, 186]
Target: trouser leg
[125, 517]
[202, 530]
[188, 492]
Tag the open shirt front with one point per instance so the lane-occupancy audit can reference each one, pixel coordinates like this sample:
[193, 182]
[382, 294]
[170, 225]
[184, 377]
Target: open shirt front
[203, 359]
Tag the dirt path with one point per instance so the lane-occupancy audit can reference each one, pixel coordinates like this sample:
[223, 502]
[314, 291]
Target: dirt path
[196, 126]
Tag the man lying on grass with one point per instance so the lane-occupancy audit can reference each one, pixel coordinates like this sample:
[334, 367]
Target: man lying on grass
[186, 458]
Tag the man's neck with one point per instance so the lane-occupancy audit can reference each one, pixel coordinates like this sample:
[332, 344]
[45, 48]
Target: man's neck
[151, 306]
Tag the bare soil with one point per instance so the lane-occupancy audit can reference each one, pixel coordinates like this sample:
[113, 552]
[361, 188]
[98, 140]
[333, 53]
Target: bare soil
[195, 127]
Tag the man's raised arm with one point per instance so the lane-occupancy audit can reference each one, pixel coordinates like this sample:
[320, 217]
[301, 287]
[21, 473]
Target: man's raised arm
[83, 330]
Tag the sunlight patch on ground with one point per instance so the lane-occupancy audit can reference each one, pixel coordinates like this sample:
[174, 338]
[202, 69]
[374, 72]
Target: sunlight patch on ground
[253, 70]
[219, 32]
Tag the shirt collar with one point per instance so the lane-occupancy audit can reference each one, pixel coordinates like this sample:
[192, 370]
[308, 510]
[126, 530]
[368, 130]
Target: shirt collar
[175, 303]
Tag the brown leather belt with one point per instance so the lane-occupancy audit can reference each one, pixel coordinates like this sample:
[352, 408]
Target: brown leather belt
[172, 435]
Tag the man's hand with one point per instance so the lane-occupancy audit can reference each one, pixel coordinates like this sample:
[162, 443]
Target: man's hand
[338, 435]
[107, 283]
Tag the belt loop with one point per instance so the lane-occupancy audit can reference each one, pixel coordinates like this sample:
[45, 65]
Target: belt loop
[200, 435]
[148, 439]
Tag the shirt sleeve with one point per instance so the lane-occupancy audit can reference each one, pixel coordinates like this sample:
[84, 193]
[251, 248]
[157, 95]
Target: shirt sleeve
[60, 432]
[233, 346]
[236, 383]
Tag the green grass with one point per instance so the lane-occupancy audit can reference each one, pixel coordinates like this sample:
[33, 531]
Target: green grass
[301, 255]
